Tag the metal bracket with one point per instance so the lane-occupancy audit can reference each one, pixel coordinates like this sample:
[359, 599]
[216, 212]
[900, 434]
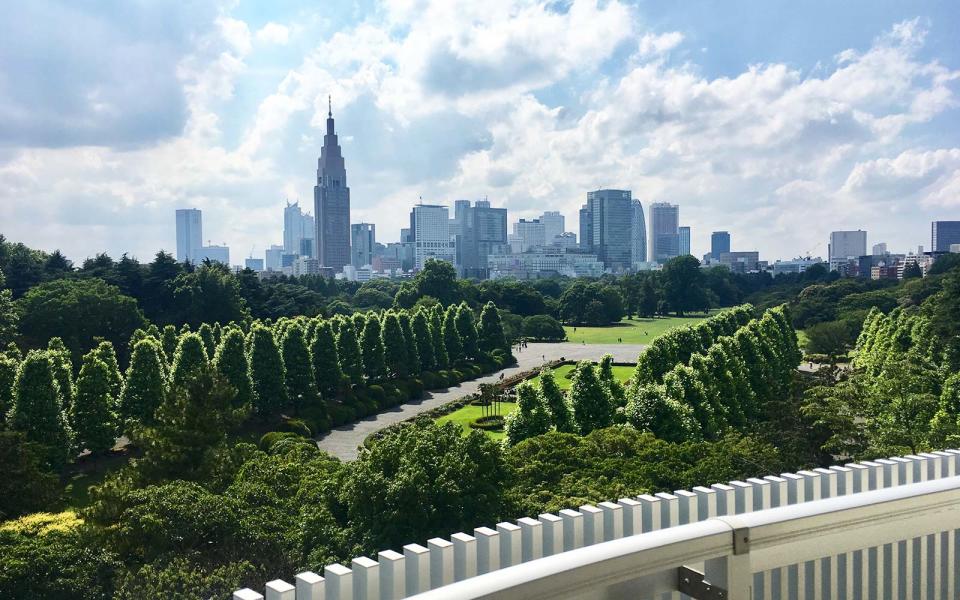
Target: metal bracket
[741, 540]
[692, 583]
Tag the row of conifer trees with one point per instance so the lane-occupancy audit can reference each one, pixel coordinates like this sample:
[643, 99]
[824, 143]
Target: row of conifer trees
[347, 365]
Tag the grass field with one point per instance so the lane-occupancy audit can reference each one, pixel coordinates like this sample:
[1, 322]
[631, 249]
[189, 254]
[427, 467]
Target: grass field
[629, 331]
[562, 375]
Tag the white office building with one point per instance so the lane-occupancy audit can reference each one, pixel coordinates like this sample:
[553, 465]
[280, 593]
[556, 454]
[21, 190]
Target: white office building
[554, 225]
[430, 233]
[189, 233]
[274, 257]
[844, 246]
[528, 235]
[544, 262]
[220, 254]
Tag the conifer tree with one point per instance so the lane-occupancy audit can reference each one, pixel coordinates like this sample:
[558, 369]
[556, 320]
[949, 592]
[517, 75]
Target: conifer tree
[12, 351]
[556, 402]
[529, 419]
[92, 415]
[37, 409]
[394, 347]
[614, 388]
[467, 330]
[651, 409]
[267, 372]
[451, 337]
[371, 347]
[326, 362]
[424, 341]
[230, 361]
[106, 353]
[682, 385]
[348, 350]
[62, 370]
[169, 342]
[189, 360]
[144, 386]
[410, 343]
[301, 386]
[8, 372]
[490, 330]
[359, 322]
[592, 408]
[441, 358]
[206, 334]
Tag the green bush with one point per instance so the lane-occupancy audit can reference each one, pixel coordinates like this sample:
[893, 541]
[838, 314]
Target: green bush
[416, 389]
[377, 394]
[341, 414]
[430, 380]
[456, 376]
[270, 438]
[443, 379]
[297, 426]
[317, 418]
[488, 423]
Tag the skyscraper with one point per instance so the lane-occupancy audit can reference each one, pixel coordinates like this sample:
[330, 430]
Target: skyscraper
[297, 226]
[610, 213]
[430, 233]
[363, 239]
[586, 228]
[847, 244]
[943, 234]
[719, 243]
[483, 232]
[553, 225]
[529, 234]
[664, 231]
[638, 228]
[879, 249]
[274, 257]
[684, 233]
[331, 201]
[189, 233]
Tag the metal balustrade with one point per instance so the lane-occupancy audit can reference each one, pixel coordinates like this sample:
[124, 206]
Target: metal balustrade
[882, 529]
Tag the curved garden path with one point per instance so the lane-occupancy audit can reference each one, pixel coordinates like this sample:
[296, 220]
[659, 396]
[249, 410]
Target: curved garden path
[343, 441]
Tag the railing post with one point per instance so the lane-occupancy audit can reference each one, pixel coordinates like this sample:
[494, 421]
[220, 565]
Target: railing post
[366, 575]
[612, 521]
[651, 512]
[592, 525]
[531, 537]
[669, 510]
[279, 589]
[488, 549]
[572, 529]
[464, 556]
[247, 594]
[441, 562]
[706, 502]
[309, 586]
[416, 559]
[392, 575]
[761, 493]
[510, 545]
[632, 516]
[339, 582]
[552, 527]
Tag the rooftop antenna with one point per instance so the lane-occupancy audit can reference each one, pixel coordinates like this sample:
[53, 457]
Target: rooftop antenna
[329, 106]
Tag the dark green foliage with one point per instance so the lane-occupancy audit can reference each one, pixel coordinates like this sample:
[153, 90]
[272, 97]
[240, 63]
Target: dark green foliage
[267, 372]
[326, 361]
[299, 381]
[543, 328]
[529, 419]
[62, 370]
[37, 409]
[209, 342]
[451, 337]
[683, 386]
[189, 360]
[348, 349]
[651, 409]
[441, 358]
[169, 342]
[144, 385]
[556, 402]
[683, 285]
[230, 360]
[9, 318]
[26, 486]
[424, 341]
[590, 400]
[371, 346]
[467, 330]
[92, 415]
[490, 330]
[410, 344]
[423, 480]
[210, 294]
[591, 304]
[181, 579]
[8, 372]
[394, 347]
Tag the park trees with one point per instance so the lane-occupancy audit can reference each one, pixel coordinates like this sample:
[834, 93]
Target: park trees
[424, 341]
[451, 337]
[683, 285]
[267, 372]
[371, 346]
[554, 399]
[37, 409]
[531, 417]
[394, 347]
[230, 360]
[590, 400]
[467, 331]
[298, 369]
[144, 386]
[326, 360]
[189, 359]
[410, 343]
[490, 330]
[92, 415]
[651, 409]
[348, 350]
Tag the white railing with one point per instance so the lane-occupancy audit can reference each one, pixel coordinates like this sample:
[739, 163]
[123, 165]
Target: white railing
[881, 529]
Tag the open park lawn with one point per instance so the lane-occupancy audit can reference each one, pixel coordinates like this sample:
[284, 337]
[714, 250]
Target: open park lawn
[563, 373]
[630, 331]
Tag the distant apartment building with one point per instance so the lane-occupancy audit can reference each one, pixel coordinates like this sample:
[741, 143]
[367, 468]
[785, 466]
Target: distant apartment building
[684, 240]
[430, 231]
[545, 262]
[305, 265]
[797, 265]
[610, 217]
[586, 228]
[719, 243]
[189, 233]
[879, 249]
[944, 234]
[664, 231]
[567, 239]
[844, 246]
[638, 235]
[363, 241]
[741, 262]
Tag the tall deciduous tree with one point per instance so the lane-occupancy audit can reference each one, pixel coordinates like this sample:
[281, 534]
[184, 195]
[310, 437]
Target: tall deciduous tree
[490, 330]
[62, 370]
[467, 329]
[441, 357]
[144, 386]
[209, 343]
[371, 346]
[451, 336]
[92, 415]
[108, 355]
[651, 409]
[590, 400]
[394, 347]
[169, 342]
[410, 343]
[421, 334]
[267, 372]
[614, 388]
[555, 401]
[348, 349]
[531, 417]
[189, 359]
[230, 360]
[37, 409]
[8, 372]
[326, 361]
[301, 386]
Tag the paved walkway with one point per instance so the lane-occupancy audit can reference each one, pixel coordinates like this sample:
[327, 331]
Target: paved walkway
[344, 440]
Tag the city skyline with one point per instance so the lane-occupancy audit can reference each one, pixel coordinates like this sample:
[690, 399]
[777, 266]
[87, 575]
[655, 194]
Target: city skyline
[852, 127]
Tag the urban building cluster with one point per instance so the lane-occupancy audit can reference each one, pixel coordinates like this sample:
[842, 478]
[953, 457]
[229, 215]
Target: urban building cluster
[614, 237]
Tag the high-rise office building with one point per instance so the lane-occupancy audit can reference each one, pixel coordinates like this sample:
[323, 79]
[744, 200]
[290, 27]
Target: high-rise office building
[220, 254]
[879, 249]
[483, 233]
[586, 228]
[189, 233]
[273, 257]
[610, 213]
[664, 231]
[638, 232]
[430, 233]
[553, 225]
[254, 264]
[528, 235]
[684, 240]
[719, 243]
[331, 201]
[847, 244]
[363, 240]
[944, 234]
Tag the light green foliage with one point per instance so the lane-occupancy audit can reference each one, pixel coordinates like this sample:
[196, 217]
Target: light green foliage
[209, 343]
[531, 418]
[92, 415]
[37, 409]
[614, 388]
[451, 336]
[650, 409]
[590, 400]
[169, 342]
[8, 372]
[683, 386]
[348, 350]
[144, 386]
[106, 353]
[299, 381]
[267, 372]
[62, 369]
[230, 360]
[326, 362]
[556, 402]
[189, 360]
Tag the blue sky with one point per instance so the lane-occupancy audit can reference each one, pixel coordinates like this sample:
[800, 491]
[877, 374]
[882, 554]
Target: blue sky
[777, 121]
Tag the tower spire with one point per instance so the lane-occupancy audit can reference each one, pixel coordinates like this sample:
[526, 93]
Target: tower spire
[329, 106]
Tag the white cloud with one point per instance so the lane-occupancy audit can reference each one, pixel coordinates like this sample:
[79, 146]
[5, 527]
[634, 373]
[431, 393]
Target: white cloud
[652, 44]
[274, 33]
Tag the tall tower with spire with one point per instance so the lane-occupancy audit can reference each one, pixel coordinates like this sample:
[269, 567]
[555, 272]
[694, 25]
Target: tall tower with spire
[331, 201]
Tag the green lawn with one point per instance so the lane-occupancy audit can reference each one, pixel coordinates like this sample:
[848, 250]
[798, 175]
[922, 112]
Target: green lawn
[562, 375]
[629, 331]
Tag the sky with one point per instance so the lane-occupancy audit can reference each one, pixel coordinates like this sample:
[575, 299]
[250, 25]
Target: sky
[778, 121]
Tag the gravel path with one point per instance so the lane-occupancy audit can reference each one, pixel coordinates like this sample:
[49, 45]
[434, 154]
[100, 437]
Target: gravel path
[343, 441]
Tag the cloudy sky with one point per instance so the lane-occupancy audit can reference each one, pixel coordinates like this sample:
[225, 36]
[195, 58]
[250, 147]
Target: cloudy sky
[778, 121]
